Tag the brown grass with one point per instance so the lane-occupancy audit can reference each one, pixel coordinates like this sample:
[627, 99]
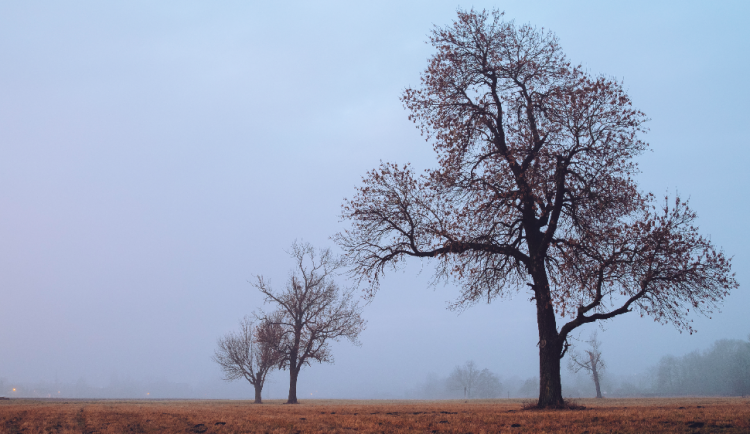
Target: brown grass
[676, 415]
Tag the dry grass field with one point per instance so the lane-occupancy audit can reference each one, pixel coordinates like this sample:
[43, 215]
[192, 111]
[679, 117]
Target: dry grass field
[677, 415]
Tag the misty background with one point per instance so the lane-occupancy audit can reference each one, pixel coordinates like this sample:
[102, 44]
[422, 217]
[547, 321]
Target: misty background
[154, 157]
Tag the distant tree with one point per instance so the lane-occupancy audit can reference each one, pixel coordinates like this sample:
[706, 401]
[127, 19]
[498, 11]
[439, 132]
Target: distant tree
[534, 190]
[433, 387]
[473, 382]
[488, 386]
[528, 388]
[312, 312]
[250, 354]
[464, 378]
[590, 362]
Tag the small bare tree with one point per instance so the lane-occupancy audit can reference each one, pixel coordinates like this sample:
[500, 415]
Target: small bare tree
[249, 354]
[591, 362]
[312, 311]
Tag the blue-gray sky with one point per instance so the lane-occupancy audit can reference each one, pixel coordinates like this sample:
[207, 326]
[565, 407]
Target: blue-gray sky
[155, 156]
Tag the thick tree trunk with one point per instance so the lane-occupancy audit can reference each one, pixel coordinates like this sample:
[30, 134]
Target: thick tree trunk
[550, 386]
[550, 348]
[595, 374]
[293, 373]
[257, 394]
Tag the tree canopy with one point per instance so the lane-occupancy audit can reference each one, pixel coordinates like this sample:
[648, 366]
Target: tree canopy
[534, 190]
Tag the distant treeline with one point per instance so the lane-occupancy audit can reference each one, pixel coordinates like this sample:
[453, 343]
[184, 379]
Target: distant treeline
[123, 389]
[437, 387]
[721, 370]
[470, 382]
[128, 389]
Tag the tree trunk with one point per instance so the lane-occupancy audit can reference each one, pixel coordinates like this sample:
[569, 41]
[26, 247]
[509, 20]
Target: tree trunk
[550, 386]
[293, 373]
[258, 388]
[550, 348]
[595, 374]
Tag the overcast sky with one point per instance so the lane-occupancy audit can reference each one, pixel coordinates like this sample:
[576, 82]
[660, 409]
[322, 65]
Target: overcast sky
[155, 156]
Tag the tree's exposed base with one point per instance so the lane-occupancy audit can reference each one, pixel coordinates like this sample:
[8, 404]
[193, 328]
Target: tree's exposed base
[566, 405]
[291, 402]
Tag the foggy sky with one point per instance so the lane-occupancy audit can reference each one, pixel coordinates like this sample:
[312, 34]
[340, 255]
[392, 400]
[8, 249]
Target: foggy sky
[154, 157]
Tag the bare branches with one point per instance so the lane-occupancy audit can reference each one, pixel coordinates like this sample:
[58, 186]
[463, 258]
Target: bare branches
[312, 311]
[533, 189]
[528, 146]
[656, 263]
[396, 216]
[592, 359]
[591, 362]
[473, 382]
[250, 354]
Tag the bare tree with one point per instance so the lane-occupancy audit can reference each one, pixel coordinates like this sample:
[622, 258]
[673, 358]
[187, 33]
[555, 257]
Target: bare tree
[590, 362]
[473, 382]
[464, 377]
[312, 311]
[249, 354]
[488, 386]
[534, 190]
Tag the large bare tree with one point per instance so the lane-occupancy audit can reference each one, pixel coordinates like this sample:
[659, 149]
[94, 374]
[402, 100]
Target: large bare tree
[590, 362]
[534, 190]
[311, 311]
[250, 354]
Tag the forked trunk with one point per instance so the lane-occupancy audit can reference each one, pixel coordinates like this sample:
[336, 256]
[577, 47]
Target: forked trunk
[293, 373]
[258, 388]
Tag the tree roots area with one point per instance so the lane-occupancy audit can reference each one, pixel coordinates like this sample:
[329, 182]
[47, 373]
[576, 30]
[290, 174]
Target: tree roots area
[663, 415]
